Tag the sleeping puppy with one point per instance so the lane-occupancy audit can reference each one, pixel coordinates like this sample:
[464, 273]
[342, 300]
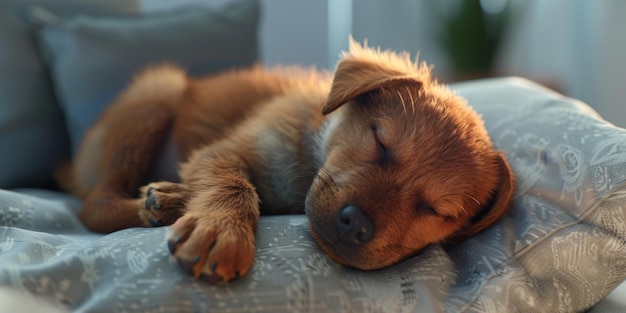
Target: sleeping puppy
[382, 158]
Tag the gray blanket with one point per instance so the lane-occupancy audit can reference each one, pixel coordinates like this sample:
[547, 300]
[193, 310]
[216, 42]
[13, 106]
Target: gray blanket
[559, 249]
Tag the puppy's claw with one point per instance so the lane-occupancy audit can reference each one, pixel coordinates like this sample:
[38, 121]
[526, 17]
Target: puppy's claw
[150, 200]
[163, 203]
[187, 266]
[212, 278]
[155, 223]
[172, 244]
[217, 278]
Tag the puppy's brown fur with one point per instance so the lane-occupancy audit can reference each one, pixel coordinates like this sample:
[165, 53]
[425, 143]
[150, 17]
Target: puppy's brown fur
[383, 159]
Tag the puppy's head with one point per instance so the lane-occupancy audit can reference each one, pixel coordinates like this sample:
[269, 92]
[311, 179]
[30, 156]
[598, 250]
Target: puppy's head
[406, 163]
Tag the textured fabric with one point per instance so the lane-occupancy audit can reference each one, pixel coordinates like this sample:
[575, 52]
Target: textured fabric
[92, 58]
[559, 249]
[31, 123]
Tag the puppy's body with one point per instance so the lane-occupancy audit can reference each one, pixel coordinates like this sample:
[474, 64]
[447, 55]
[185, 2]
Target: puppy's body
[384, 160]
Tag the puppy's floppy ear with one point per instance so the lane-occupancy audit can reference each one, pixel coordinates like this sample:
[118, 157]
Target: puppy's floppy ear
[356, 77]
[499, 203]
[363, 69]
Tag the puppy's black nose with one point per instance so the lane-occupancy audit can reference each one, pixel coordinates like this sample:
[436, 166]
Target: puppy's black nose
[354, 226]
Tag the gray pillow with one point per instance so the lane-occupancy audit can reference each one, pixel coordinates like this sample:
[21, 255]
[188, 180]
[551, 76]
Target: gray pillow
[92, 58]
[561, 248]
[32, 132]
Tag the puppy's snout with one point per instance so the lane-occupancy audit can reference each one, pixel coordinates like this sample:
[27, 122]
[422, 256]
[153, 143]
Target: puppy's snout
[353, 226]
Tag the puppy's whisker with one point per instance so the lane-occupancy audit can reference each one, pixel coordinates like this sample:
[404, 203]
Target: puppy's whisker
[330, 177]
[402, 100]
[322, 179]
[459, 205]
[464, 195]
[472, 198]
[412, 100]
[462, 208]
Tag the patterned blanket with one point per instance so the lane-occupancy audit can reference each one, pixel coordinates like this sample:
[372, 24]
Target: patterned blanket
[559, 249]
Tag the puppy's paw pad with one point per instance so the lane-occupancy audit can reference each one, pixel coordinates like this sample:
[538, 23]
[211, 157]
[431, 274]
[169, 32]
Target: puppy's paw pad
[212, 251]
[151, 201]
[163, 204]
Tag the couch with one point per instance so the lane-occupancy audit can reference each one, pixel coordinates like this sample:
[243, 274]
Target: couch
[560, 247]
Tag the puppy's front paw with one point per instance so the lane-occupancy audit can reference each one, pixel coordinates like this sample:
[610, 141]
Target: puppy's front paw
[164, 203]
[213, 248]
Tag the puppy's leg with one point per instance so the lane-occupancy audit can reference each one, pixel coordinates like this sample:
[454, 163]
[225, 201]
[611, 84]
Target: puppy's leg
[129, 143]
[215, 238]
[119, 150]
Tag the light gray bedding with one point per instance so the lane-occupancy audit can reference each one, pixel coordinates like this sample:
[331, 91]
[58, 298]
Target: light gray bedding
[559, 249]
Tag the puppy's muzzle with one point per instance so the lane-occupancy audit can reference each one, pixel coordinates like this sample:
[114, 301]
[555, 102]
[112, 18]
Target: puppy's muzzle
[353, 226]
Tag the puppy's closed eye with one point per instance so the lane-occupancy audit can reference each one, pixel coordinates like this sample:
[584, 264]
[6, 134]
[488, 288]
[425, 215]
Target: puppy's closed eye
[424, 208]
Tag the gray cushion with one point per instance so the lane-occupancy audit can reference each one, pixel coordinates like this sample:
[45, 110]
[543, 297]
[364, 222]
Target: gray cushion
[32, 132]
[92, 58]
[559, 249]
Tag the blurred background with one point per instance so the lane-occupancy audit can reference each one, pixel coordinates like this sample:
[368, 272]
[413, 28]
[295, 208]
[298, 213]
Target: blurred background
[576, 47]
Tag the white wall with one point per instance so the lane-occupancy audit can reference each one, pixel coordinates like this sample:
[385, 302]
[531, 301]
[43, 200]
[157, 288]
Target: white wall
[315, 32]
[310, 33]
[579, 45]
[609, 94]
[401, 25]
[294, 32]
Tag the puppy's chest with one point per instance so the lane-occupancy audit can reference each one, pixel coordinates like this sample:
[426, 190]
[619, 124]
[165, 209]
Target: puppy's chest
[285, 175]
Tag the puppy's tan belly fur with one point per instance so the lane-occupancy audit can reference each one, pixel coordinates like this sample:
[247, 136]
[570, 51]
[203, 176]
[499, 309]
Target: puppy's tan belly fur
[289, 160]
[284, 180]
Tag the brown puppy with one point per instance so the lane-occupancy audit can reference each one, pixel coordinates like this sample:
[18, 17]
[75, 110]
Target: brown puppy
[384, 161]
